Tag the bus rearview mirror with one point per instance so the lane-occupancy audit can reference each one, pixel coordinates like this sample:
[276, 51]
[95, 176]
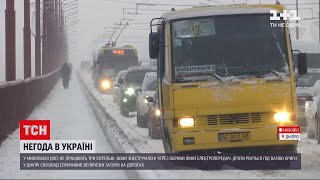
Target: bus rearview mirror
[302, 63]
[153, 45]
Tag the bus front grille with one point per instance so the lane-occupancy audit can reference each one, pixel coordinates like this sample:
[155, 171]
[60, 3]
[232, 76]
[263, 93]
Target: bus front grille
[229, 119]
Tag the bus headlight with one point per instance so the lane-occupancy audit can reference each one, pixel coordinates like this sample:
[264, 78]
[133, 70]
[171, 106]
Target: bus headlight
[186, 122]
[105, 84]
[281, 117]
[158, 112]
[129, 91]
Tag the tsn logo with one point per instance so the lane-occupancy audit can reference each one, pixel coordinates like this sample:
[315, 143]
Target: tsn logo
[35, 130]
[286, 15]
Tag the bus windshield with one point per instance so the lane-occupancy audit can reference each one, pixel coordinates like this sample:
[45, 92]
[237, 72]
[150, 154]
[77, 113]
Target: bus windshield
[116, 60]
[232, 45]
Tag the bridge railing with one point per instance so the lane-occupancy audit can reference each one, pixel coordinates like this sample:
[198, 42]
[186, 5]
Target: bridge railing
[19, 98]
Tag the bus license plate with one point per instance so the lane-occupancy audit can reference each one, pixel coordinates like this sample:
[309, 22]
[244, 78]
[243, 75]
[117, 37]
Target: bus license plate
[234, 136]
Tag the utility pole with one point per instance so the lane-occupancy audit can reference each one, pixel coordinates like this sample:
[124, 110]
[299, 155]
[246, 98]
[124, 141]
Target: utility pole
[297, 28]
[27, 40]
[10, 41]
[50, 38]
[44, 37]
[38, 41]
[319, 21]
[56, 36]
[60, 31]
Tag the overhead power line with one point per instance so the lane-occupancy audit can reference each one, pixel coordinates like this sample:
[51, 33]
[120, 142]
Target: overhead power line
[151, 4]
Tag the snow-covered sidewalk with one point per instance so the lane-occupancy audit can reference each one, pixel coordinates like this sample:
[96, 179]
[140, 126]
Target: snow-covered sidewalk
[71, 119]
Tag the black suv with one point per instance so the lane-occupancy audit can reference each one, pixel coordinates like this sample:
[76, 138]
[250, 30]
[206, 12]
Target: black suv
[131, 84]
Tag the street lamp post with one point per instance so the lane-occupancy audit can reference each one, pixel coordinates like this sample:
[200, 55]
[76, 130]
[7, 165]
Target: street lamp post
[38, 41]
[49, 38]
[44, 37]
[10, 33]
[297, 28]
[27, 40]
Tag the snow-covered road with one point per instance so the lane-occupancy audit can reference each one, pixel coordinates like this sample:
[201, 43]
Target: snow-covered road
[71, 119]
[309, 149]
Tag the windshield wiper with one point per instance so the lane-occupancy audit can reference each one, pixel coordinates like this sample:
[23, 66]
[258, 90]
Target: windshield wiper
[213, 74]
[217, 77]
[279, 47]
[269, 71]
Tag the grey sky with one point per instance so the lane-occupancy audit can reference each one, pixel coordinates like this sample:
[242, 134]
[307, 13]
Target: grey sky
[95, 15]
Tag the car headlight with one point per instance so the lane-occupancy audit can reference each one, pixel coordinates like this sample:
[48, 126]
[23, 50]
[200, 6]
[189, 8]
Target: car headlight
[307, 104]
[281, 117]
[145, 99]
[105, 84]
[129, 91]
[158, 112]
[186, 122]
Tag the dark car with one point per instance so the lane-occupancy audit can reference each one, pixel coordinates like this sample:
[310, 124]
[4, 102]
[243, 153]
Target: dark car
[131, 84]
[153, 117]
[118, 87]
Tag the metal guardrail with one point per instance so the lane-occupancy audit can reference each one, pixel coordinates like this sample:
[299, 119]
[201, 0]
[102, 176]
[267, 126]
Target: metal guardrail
[19, 98]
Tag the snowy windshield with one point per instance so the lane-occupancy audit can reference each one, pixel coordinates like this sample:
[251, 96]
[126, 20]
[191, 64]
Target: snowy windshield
[233, 45]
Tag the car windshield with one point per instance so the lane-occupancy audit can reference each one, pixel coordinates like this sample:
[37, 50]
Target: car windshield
[135, 77]
[152, 86]
[308, 80]
[233, 45]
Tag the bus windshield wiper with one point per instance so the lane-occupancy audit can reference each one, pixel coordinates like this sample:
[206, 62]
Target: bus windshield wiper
[217, 77]
[269, 71]
[279, 47]
[211, 74]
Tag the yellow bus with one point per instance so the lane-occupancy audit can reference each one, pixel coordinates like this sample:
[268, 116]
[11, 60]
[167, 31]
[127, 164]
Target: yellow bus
[226, 78]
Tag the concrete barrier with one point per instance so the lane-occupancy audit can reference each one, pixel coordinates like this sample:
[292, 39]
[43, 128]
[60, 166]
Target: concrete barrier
[114, 134]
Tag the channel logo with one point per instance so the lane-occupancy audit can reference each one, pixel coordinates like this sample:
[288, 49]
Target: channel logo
[35, 130]
[289, 133]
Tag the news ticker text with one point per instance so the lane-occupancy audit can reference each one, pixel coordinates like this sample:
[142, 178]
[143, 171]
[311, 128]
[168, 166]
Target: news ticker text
[151, 161]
